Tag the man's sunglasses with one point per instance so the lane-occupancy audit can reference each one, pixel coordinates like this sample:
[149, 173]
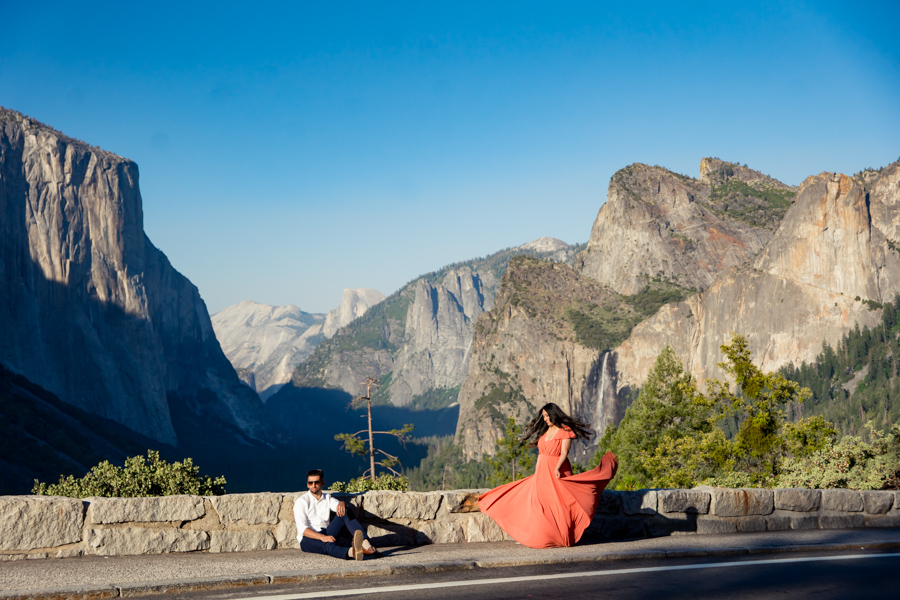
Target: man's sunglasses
[317, 481]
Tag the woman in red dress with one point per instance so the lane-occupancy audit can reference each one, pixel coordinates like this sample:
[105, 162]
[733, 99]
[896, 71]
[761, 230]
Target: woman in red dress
[553, 507]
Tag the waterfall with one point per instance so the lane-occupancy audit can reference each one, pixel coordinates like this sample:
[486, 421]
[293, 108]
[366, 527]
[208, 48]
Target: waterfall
[598, 423]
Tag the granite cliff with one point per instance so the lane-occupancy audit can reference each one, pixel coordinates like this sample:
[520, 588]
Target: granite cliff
[90, 309]
[660, 224]
[834, 258]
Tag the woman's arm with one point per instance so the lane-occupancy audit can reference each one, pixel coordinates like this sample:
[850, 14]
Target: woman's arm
[564, 446]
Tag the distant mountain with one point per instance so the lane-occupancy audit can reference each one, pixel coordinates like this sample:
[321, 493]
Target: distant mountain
[417, 340]
[354, 304]
[90, 310]
[266, 343]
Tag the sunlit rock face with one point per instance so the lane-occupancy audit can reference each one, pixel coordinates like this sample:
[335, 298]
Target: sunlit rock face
[266, 343]
[660, 224]
[90, 309]
[834, 255]
[354, 304]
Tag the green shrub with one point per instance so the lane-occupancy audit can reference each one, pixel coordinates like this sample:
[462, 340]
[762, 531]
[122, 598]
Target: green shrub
[851, 463]
[365, 484]
[141, 477]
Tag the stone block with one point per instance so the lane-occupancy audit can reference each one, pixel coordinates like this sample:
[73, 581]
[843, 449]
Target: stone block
[443, 531]
[145, 510]
[741, 502]
[383, 504]
[878, 502]
[684, 501]
[883, 521]
[661, 525]
[850, 521]
[482, 528]
[286, 530]
[639, 502]
[778, 523]
[610, 503]
[751, 524]
[247, 509]
[623, 528]
[798, 499]
[241, 541]
[128, 540]
[208, 522]
[842, 500]
[805, 522]
[714, 525]
[28, 522]
[459, 501]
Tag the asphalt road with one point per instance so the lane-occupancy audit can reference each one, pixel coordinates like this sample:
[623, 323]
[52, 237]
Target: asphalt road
[850, 574]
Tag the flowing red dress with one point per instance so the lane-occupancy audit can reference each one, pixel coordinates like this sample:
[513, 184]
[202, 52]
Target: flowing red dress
[542, 511]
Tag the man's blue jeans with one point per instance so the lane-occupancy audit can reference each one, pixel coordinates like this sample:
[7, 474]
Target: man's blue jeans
[334, 529]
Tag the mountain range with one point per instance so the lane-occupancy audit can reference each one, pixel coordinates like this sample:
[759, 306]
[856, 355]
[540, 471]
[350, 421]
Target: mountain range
[106, 348]
[266, 343]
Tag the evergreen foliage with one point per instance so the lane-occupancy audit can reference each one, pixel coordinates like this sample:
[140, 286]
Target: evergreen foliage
[857, 381]
[141, 477]
[675, 436]
[512, 459]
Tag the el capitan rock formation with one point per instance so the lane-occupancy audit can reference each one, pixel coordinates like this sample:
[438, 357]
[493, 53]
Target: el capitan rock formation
[90, 309]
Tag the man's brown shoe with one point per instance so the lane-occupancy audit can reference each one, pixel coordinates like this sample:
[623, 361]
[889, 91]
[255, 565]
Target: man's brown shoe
[358, 552]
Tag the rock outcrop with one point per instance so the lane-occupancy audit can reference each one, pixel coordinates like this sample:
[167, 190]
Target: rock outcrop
[659, 224]
[90, 310]
[354, 304]
[832, 260]
[533, 347]
[266, 343]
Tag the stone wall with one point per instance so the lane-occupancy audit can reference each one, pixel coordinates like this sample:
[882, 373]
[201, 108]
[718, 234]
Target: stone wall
[43, 526]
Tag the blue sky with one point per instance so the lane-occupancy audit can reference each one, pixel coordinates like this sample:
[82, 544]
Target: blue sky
[290, 150]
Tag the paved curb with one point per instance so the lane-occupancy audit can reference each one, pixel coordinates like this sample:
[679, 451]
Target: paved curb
[246, 581]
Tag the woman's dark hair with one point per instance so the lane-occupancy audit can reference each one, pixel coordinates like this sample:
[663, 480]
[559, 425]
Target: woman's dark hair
[537, 427]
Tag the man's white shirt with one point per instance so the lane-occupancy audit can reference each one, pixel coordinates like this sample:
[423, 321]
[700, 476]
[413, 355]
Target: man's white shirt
[312, 513]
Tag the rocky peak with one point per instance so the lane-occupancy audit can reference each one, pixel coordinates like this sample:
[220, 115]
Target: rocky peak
[715, 172]
[656, 224]
[354, 304]
[265, 343]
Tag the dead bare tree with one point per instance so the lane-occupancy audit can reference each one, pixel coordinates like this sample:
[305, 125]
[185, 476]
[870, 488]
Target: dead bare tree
[356, 445]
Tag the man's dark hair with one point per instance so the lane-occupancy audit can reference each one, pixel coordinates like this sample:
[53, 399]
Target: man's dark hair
[318, 472]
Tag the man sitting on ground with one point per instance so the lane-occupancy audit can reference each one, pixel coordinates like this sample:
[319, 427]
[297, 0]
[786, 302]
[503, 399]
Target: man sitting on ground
[317, 531]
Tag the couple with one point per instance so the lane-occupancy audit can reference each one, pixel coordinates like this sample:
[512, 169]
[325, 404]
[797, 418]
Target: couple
[549, 509]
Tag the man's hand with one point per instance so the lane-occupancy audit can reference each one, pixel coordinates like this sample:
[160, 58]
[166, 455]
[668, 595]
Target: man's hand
[341, 510]
[327, 538]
